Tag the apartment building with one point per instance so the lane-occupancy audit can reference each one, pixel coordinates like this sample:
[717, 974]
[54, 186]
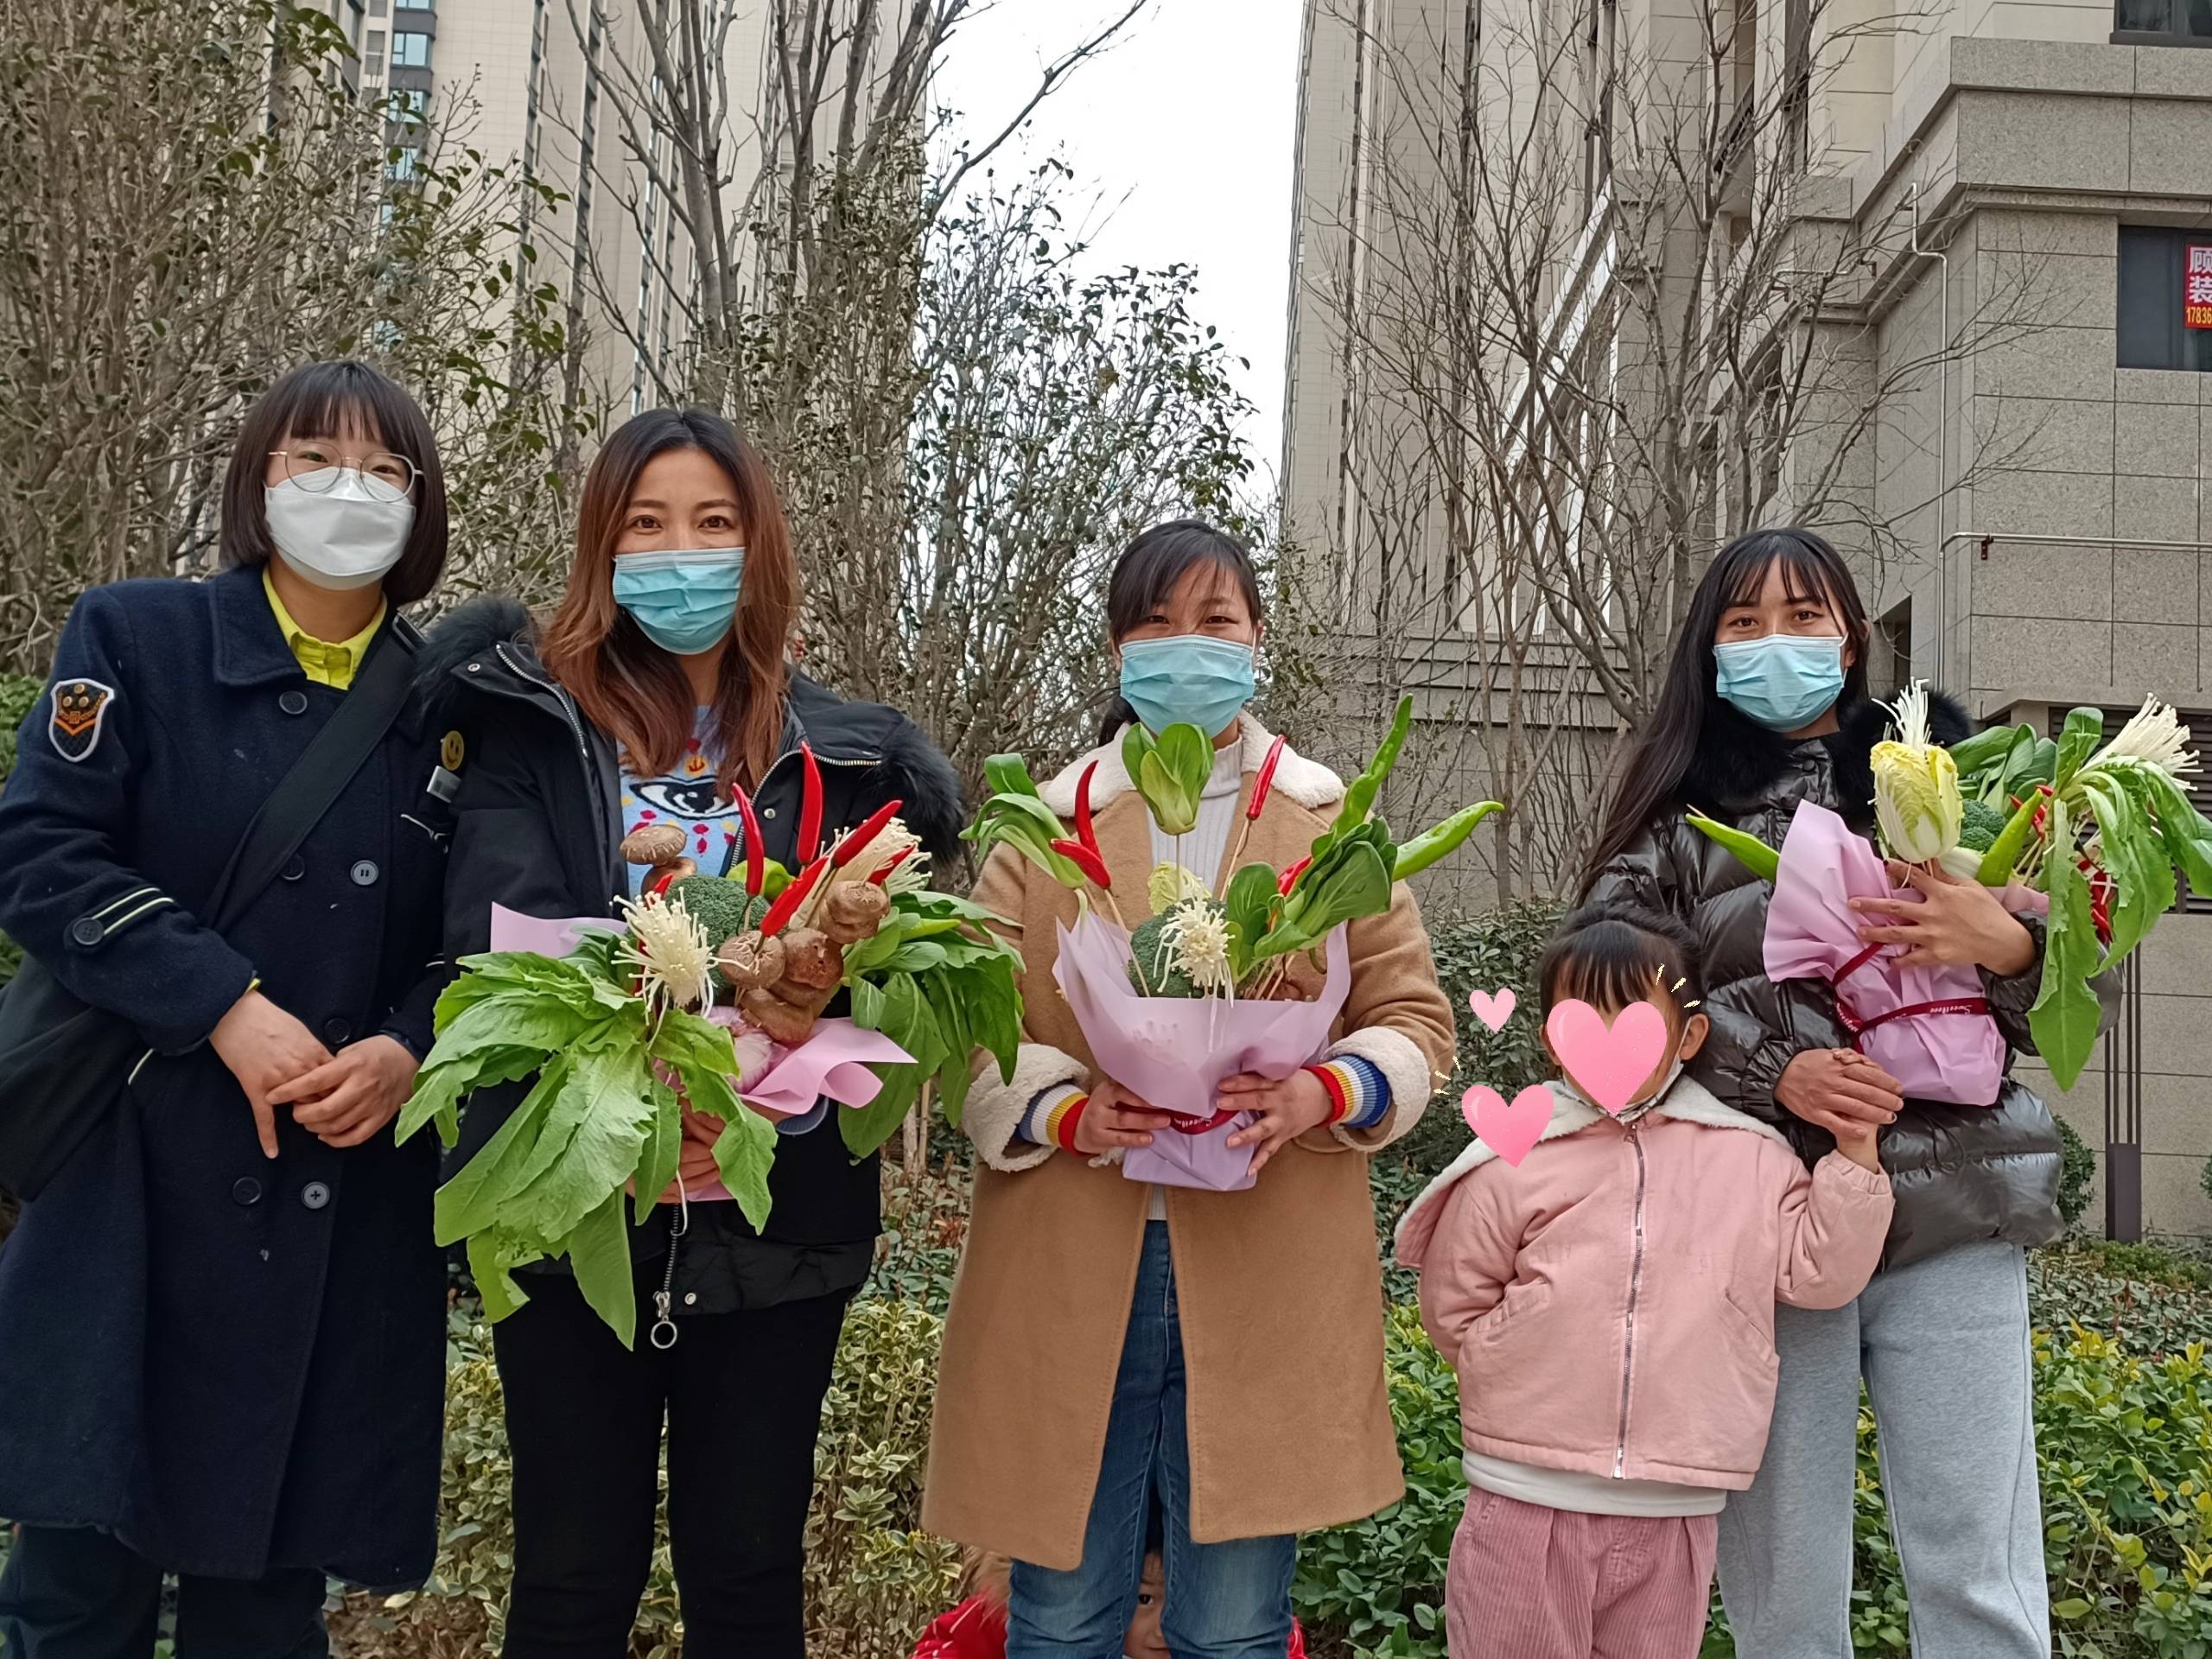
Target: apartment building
[2014, 424]
[528, 84]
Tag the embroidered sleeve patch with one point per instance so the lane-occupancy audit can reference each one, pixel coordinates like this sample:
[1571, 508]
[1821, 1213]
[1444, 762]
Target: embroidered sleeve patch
[79, 710]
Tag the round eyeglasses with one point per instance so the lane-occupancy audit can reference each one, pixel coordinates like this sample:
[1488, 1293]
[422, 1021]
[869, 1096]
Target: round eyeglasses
[316, 467]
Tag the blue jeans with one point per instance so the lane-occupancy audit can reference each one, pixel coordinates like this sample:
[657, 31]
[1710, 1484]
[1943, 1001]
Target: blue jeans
[1220, 1601]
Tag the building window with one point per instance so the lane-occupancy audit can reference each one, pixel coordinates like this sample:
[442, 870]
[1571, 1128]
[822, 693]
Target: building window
[401, 169]
[372, 54]
[2162, 21]
[376, 7]
[410, 51]
[412, 5]
[2165, 298]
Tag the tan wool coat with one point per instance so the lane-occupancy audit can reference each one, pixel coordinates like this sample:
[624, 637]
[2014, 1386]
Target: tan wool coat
[1279, 1286]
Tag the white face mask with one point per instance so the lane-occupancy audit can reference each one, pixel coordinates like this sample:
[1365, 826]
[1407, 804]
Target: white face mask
[341, 537]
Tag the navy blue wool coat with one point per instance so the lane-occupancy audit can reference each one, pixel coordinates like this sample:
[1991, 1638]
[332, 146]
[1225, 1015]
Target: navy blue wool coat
[229, 1364]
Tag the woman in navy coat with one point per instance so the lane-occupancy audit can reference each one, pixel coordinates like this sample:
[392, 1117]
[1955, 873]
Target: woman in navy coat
[222, 1322]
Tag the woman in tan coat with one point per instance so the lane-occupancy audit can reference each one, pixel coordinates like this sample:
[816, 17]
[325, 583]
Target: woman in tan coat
[1110, 1341]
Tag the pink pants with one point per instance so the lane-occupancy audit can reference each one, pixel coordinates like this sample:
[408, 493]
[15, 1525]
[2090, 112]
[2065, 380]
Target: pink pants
[1529, 1582]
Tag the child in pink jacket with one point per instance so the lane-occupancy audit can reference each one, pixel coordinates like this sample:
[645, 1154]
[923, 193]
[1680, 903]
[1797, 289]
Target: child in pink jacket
[1609, 1307]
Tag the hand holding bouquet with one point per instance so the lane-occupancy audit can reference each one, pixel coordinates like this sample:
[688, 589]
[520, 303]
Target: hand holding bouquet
[1200, 990]
[2096, 835]
[704, 1001]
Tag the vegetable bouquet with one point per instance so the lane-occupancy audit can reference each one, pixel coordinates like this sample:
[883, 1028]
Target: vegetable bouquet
[1194, 943]
[2097, 836]
[708, 995]
[1201, 989]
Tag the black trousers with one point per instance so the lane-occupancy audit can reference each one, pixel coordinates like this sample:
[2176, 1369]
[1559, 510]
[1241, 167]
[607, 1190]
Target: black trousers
[741, 1395]
[69, 1593]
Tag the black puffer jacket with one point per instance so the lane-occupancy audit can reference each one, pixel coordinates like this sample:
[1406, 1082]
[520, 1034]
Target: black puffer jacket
[1959, 1173]
[537, 828]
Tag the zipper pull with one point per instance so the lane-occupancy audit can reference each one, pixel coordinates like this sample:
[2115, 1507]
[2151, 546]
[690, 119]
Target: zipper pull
[663, 1333]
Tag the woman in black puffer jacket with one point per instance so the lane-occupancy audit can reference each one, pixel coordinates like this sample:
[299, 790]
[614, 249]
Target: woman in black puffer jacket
[1765, 706]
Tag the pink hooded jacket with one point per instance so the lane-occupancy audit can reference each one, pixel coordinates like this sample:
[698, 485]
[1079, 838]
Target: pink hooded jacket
[1609, 1305]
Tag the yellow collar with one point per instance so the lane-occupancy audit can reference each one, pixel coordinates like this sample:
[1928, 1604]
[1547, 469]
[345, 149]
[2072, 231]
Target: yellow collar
[323, 661]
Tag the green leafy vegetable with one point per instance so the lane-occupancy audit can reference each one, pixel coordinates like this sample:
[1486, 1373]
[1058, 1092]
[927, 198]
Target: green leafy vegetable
[1754, 855]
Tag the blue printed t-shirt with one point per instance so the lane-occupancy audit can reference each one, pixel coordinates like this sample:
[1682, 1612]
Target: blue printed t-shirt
[685, 798]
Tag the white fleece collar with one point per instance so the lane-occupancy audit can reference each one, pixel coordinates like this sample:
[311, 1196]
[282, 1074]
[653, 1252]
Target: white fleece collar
[1688, 1101]
[1306, 782]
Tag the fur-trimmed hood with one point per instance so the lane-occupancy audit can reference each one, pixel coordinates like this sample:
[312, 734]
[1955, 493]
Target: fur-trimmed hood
[1306, 782]
[1738, 761]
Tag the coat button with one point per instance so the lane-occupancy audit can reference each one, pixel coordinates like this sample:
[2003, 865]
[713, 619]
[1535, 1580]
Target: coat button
[85, 931]
[364, 873]
[295, 869]
[767, 811]
[246, 1190]
[315, 1195]
[336, 1032]
[294, 702]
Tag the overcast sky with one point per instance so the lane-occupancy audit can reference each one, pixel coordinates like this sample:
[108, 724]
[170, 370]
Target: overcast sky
[1183, 132]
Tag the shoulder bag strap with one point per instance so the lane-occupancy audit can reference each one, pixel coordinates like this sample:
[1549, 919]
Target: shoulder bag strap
[318, 776]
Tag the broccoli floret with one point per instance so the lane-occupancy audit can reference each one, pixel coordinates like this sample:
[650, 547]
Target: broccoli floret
[1148, 971]
[720, 906]
[1980, 824]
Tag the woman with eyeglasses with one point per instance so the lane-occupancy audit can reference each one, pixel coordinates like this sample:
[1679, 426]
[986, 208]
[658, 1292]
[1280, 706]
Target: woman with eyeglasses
[222, 1318]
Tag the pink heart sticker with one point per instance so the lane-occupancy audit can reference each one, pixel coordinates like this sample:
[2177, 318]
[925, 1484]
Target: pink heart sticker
[1508, 1131]
[1493, 1008]
[1608, 1063]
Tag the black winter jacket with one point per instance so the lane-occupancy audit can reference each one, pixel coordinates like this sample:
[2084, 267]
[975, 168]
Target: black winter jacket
[1959, 1173]
[538, 830]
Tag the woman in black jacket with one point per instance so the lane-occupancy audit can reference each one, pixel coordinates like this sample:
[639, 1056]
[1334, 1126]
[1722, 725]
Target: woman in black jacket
[222, 1322]
[1765, 706]
[659, 684]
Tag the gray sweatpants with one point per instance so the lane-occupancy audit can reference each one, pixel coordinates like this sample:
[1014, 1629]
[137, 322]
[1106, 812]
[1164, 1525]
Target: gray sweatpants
[1944, 1346]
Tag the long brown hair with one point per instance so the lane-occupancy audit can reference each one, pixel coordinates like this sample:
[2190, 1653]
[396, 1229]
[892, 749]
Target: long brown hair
[627, 684]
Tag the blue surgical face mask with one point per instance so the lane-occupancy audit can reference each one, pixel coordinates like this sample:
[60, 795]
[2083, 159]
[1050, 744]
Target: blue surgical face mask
[1784, 681]
[685, 601]
[1191, 679]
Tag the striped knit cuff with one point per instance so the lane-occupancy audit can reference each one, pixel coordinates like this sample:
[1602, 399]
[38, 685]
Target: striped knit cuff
[1050, 1119]
[1359, 1095]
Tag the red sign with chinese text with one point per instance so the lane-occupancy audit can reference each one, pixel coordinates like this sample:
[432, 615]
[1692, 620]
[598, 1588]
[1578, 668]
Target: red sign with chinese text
[2196, 286]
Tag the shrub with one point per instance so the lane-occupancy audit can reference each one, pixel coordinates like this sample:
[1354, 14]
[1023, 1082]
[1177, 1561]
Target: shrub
[873, 1579]
[2124, 1444]
[1378, 1585]
[2077, 1171]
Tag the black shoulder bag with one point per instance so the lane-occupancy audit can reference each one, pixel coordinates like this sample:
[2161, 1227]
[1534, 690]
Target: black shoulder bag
[64, 1064]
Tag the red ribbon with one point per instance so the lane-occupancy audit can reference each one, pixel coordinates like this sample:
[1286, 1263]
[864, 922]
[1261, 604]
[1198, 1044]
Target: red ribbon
[1200, 1125]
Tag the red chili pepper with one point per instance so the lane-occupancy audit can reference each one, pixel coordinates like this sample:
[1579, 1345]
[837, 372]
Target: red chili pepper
[849, 848]
[889, 865]
[1289, 878]
[1086, 861]
[810, 810]
[791, 897]
[1083, 832]
[661, 884]
[756, 855]
[1265, 781]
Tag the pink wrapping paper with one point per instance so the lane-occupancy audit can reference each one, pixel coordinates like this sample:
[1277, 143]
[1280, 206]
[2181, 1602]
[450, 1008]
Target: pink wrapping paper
[1173, 1052]
[556, 936]
[1812, 933]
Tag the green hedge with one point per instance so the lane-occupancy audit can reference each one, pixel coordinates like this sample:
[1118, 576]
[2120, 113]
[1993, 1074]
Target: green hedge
[2124, 1434]
[873, 1578]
